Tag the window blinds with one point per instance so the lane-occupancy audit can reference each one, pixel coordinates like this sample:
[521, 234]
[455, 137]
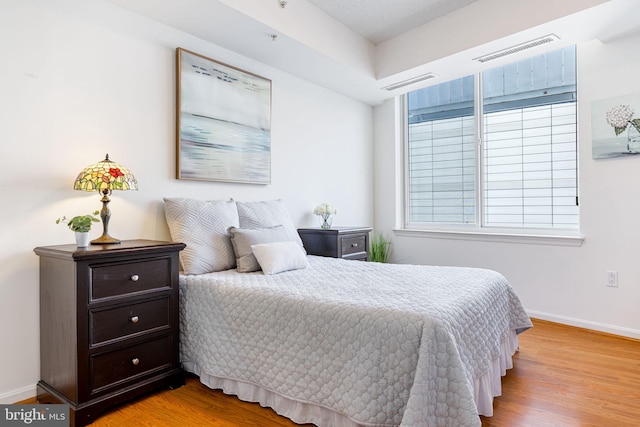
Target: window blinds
[442, 171]
[530, 167]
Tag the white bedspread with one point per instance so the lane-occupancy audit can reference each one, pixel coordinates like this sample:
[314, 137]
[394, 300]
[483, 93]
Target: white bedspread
[381, 344]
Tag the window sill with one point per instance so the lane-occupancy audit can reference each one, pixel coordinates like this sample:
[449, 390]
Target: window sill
[500, 237]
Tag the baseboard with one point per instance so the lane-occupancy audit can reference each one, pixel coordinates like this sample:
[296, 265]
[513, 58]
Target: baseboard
[13, 396]
[586, 324]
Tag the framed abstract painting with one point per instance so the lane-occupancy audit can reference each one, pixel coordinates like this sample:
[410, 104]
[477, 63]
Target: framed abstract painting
[223, 122]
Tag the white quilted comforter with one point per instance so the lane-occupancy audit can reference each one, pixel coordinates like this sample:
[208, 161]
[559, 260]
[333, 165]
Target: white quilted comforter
[380, 344]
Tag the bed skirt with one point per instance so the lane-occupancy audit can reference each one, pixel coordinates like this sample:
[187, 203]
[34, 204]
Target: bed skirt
[489, 385]
[485, 389]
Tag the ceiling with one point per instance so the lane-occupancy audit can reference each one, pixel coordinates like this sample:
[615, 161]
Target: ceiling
[381, 20]
[359, 47]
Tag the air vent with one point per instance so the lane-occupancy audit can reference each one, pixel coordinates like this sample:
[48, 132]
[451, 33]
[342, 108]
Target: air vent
[410, 81]
[518, 48]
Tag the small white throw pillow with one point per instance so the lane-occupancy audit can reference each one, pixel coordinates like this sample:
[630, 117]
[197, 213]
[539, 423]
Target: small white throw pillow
[280, 256]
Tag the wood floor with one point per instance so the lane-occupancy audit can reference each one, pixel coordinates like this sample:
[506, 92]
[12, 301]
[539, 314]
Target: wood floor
[563, 376]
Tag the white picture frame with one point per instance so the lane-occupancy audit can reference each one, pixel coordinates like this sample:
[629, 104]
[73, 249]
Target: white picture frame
[615, 124]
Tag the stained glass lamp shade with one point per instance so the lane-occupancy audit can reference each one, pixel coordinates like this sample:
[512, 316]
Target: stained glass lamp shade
[105, 176]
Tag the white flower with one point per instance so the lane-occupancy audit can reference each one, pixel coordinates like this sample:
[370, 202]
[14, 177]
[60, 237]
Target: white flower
[325, 210]
[619, 117]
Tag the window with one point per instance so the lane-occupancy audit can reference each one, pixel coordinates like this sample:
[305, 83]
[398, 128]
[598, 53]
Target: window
[524, 175]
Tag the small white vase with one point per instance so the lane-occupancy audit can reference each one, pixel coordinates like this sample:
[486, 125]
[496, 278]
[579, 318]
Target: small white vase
[633, 139]
[82, 239]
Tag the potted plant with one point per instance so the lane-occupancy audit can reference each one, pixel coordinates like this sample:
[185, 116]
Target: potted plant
[81, 225]
[380, 248]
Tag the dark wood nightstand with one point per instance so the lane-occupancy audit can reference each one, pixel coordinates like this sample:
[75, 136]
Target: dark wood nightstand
[108, 324]
[337, 242]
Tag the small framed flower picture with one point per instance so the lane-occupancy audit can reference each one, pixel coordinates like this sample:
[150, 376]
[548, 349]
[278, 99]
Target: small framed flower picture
[615, 127]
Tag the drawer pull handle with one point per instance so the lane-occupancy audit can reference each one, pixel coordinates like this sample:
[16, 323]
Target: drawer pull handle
[134, 319]
[354, 245]
[135, 361]
[135, 278]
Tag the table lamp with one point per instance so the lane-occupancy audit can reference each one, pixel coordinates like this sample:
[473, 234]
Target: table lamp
[105, 176]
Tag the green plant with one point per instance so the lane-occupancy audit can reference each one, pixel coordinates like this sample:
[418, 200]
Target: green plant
[380, 248]
[81, 223]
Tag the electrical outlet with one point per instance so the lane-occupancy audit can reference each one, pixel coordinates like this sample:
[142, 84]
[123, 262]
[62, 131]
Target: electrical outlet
[612, 279]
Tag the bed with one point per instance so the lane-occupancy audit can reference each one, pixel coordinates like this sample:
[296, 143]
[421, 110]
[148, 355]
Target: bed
[341, 343]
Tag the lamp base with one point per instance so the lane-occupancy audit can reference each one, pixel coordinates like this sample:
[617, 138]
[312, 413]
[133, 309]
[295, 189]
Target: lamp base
[105, 239]
[105, 214]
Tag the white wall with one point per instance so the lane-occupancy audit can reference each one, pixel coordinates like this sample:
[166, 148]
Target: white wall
[80, 78]
[565, 284]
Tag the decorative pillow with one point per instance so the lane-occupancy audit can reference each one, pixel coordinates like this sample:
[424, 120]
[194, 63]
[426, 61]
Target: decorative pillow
[242, 239]
[202, 226]
[280, 256]
[269, 213]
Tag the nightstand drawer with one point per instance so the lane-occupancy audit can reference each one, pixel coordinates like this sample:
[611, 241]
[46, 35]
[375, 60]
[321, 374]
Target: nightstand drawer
[109, 369]
[353, 244]
[129, 278]
[127, 321]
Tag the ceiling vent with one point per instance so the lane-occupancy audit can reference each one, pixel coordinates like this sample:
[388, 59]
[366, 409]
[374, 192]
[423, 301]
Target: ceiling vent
[411, 81]
[518, 48]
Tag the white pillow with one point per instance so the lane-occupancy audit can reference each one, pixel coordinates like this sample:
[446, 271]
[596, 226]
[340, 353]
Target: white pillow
[242, 239]
[280, 256]
[268, 213]
[202, 226]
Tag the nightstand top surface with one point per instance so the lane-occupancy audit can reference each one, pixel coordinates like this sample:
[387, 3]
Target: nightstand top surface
[335, 230]
[92, 251]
